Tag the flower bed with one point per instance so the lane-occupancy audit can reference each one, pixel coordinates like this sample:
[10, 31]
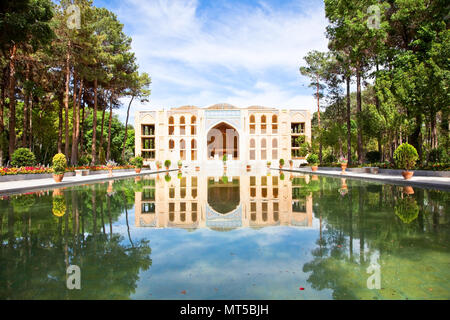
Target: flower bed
[39, 170]
[24, 170]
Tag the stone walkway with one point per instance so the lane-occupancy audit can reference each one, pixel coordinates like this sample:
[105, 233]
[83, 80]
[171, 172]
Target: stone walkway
[423, 182]
[38, 184]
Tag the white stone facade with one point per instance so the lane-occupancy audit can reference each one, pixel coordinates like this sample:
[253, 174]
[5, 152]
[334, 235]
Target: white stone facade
[262, 134]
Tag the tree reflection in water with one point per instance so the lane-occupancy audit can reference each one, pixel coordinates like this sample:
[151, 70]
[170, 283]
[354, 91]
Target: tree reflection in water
[399, 229]
[36, 247]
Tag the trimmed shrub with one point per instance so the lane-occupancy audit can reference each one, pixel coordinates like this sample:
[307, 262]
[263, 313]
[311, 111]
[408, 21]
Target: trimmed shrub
[167, 163]
[313, 159]
[373, 156]
[138, 162]
[281, 162]
[405, 156]
[23, 157]
[59, 163]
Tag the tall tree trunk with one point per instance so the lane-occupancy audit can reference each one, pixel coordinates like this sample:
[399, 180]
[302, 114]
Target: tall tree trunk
[102, 126]
[12, 100]
[81, 140]
[126, 129]
[94, 126]
[76, 121]
[108, 149]
[358, 111]
[60, 120]
[349, 127]
[30, 123]
[318, 121]
[66, 102]
[25, 109]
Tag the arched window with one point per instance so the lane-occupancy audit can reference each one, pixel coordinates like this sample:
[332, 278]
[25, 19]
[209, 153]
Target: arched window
[263, 124]
[252, 149]
[194, 211]
[274, 124]
[274, 149]
[171, 144]
[193, 125]
[171, 126]
[171, 211]
[182, 126]
[182, 149]
[263, 149]
[193, 150]
[252, 124]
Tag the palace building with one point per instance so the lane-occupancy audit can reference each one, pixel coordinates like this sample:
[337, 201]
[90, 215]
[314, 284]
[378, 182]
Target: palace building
[195, 135]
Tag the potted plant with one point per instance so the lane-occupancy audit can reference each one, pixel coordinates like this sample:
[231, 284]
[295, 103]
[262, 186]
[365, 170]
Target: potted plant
[405, 157]
[110, 164]
[59, 164]
[167, 177]
[291, 164]
[224, 179]
[269, 164]
[406, 209]
[179, 175]
[167, 164]
[138, 162]
[281, 163]
[59, 206]
[180, 164]
[313, 159]
[343, 163]
[282, 176]
[224, 160]
[158, 165]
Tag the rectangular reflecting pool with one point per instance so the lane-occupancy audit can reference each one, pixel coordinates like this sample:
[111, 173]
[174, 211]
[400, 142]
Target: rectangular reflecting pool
[187, 236]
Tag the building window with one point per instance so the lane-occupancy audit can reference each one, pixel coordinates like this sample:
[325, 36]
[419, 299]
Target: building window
[194, 211]
[263, 149]
[252, 149]
[171, 126]
[274, 124]
[193, 150]
[298, 128]
[264, 211]
[182, 149]
[148, 129]
[182, 126]
[263, 125]
[252, 124]
[171, 211]
[171, 144]
[253, 211]
[274, 149]
[193, 126]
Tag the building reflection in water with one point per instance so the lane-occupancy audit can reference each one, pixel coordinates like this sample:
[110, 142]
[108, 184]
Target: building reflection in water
[223, 203]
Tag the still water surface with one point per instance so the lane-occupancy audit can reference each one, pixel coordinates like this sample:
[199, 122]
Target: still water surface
[249, 237]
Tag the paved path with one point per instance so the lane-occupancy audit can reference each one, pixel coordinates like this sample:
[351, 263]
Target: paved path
[423, 182]
[38, 184]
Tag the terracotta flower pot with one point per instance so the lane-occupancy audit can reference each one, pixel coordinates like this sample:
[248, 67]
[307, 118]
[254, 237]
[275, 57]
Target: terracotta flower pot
[197, 168]
[249, 167]
[315, 177]
[408, 190]
[343, 167]
[407, 174]
[58, 177]
[281, 167]
[167, 168]
[314, 168]
[137, 170]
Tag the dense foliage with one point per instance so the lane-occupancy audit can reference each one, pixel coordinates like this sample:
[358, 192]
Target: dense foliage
[23, 157]
[60, 82]
[400, 63]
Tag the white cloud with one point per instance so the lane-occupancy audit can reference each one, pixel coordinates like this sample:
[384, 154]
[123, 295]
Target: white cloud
[241, 55]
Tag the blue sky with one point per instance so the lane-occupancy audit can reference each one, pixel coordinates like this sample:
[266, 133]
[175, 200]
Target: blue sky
[244, 53]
